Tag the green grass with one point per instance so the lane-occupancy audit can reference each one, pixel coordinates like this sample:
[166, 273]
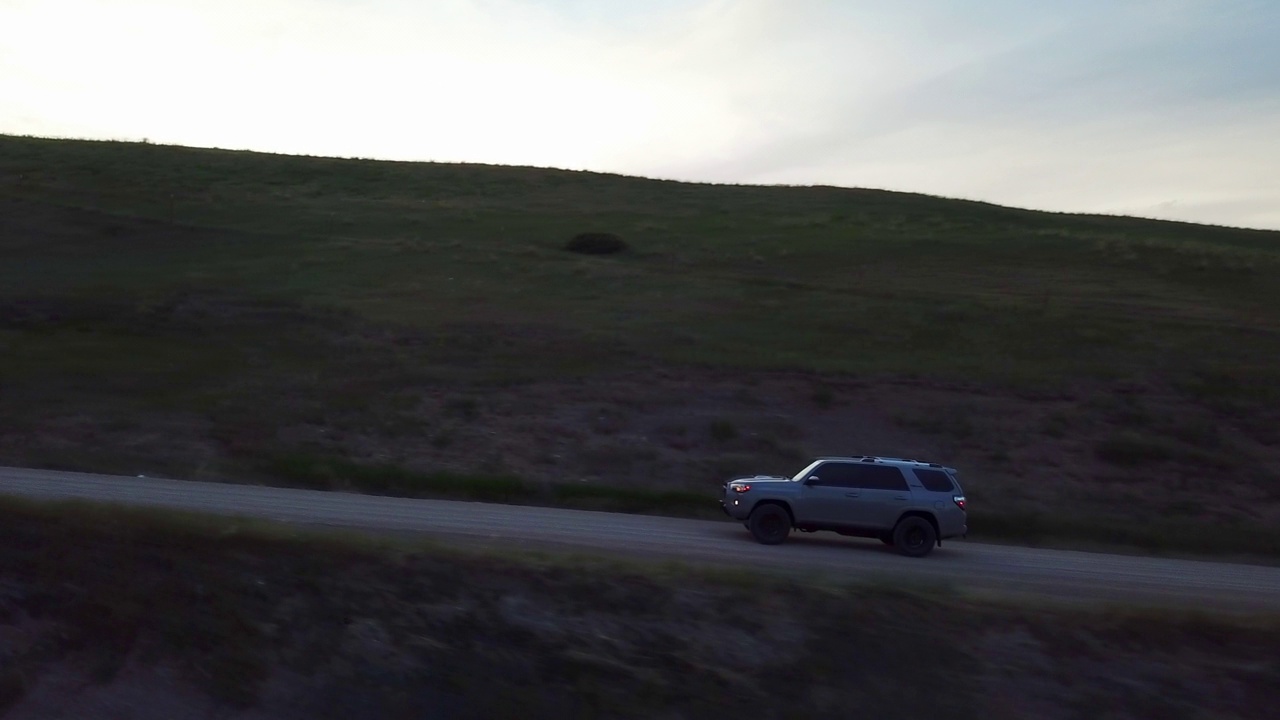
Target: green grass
[146, 289]
[1132, 450]
[722, 431]
[332, 473]
[869, 282]
[1158, 535]
[228, 606]
[337, 474]
[633, 499]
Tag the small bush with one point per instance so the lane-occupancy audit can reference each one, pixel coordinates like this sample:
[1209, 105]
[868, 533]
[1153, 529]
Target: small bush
[775, 448]
[1131, 450]
[823, 397]
[1057, 425]
[955, 424]
[1202, 434]
[463, 407]
[635, 500]
[13, 686]
[596, 243]
[723, 431]
[330, 473]
[300, 470]
[724, 466]
[396, 480]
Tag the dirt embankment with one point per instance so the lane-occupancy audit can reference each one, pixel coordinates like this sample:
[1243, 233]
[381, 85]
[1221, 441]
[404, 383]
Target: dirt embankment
[116, 617]
[301, 389]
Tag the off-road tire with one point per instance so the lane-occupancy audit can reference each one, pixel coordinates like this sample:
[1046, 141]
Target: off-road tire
[769, 524]
[914, 536]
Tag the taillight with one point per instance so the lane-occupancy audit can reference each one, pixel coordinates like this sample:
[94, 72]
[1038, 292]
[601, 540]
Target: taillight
[741, 488]
[959, 501]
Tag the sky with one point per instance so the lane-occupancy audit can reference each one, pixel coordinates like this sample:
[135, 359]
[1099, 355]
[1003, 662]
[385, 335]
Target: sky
[1166, 109]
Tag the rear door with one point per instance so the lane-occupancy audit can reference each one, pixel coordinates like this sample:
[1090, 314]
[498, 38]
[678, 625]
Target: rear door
[882, 495]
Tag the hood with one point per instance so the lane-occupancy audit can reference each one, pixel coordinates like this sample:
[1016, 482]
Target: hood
[760, 479]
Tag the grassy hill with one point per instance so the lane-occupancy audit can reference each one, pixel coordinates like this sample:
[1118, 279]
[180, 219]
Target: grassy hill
[419, 328]
[237, 620]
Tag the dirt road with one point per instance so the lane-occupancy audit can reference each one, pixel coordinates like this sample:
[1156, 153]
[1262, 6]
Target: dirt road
[964, 565]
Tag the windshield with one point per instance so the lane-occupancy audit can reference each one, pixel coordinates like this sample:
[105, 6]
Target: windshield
[805, 472]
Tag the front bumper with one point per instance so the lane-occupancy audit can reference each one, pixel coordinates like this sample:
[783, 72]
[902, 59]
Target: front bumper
[734, 508]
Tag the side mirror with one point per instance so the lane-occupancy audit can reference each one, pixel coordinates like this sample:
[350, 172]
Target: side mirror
[812, 480]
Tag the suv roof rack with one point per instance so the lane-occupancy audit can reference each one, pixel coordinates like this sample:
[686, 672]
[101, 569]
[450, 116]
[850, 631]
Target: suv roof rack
[880, 459]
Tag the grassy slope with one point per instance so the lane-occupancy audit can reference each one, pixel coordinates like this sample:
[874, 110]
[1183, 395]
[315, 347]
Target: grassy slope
[223, 617]
[816, 278]
[149, 289]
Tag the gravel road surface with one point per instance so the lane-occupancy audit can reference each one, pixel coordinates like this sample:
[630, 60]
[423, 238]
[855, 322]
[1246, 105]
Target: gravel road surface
[964, 565]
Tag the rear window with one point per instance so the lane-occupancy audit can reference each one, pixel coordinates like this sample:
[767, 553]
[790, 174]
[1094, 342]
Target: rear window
[934, 480]
[879, 477]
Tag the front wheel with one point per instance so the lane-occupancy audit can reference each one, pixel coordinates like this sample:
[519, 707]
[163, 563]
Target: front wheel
[914, 536]
[769, 524]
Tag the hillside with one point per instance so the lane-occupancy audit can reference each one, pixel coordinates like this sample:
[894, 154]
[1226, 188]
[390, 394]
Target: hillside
[417, 326]
[247, 622]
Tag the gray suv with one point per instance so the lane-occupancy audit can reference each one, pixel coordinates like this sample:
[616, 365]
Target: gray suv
[910, 505]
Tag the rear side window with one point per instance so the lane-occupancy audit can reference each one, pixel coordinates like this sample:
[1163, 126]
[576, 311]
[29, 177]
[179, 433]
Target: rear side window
[879, 477]
[934, 480]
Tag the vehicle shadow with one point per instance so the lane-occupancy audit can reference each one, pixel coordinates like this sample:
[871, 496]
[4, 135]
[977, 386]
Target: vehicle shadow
[869, 546]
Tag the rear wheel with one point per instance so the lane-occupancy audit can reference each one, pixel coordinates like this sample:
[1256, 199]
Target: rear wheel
[914, 536]
[769, 524]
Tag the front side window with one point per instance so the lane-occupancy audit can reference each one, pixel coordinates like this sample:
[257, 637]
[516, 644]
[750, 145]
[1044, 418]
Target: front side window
[834, 474]
[806, 472]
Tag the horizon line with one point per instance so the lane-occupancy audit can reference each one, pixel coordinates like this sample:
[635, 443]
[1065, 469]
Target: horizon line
[649, 178]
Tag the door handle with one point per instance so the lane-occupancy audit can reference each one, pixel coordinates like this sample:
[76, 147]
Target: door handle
[851, 494]
[899, 497]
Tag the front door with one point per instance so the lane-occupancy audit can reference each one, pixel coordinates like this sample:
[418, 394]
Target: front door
[828, 497]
